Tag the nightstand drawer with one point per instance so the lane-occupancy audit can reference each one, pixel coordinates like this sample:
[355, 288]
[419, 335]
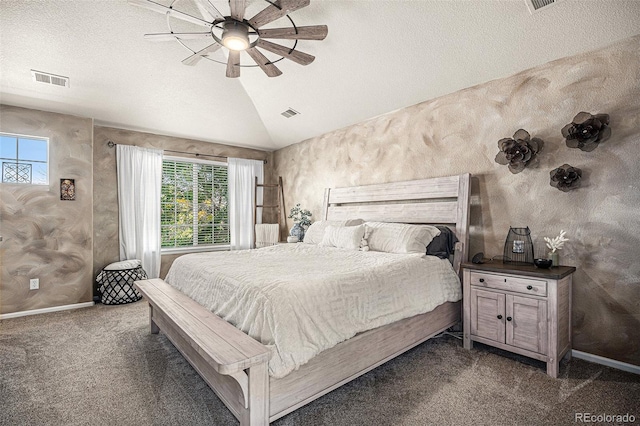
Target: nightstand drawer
[509, 283]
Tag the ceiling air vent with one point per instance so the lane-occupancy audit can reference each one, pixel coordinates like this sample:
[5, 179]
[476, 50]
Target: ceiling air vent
[536, 5]
[290, 113]
[47, 78]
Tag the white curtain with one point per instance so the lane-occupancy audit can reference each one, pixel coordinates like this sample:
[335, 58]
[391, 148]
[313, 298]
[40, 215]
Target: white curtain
[241, 178]
[139, 187]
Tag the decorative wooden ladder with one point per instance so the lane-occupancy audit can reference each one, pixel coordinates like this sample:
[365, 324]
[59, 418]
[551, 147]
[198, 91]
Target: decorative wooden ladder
[279, 206]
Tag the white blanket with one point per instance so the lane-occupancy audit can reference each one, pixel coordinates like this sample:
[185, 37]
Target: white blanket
[300, 299]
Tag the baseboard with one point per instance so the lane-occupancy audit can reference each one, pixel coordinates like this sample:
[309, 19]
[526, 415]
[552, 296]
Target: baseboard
[606, 361]
[46, 310]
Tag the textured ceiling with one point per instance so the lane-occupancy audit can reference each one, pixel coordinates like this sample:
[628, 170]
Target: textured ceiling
[379, 56]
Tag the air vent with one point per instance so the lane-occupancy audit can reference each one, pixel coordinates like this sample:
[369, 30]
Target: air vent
[290, 113]
[47, 78]
[536, 5]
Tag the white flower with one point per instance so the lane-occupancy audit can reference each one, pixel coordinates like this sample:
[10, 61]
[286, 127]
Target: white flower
[557, 242]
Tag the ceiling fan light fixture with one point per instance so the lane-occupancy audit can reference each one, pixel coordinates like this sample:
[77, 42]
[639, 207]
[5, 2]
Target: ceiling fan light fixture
[238, 34]
[235, 37]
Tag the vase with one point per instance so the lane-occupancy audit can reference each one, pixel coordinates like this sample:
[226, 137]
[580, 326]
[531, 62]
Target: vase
[555, 258]
[297, 231]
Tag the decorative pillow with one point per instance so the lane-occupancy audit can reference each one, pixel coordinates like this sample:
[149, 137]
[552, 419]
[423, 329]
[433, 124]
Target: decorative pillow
[346, 237]
[400, 237]
[443, 245]
[314, 234]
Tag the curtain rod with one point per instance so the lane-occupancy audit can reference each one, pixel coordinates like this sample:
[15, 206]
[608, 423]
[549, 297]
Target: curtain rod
[111, 144]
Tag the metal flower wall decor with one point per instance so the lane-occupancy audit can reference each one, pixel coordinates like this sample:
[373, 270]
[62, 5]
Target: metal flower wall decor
[586, 131]
[519, 152]
[565, 178]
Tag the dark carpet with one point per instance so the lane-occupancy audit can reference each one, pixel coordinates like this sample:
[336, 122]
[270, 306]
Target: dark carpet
[100, 366]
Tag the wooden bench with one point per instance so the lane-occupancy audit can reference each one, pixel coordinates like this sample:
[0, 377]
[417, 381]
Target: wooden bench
[231, 362]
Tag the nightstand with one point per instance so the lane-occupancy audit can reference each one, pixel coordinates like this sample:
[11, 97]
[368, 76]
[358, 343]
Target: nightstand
[521, 309]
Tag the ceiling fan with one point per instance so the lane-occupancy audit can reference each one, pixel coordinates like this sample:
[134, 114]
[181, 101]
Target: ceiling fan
[238, 34]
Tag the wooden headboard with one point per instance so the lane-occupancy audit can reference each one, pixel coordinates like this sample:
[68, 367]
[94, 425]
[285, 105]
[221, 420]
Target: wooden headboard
[436, 201]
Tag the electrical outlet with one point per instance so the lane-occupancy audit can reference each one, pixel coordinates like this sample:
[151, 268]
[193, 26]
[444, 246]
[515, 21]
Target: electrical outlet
[34, 283]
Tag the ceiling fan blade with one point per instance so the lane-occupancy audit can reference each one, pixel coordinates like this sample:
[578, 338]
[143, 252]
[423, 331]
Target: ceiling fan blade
[314, 32]
[262, 61]
[233, 64]
[295, 55]
[277, 10]
[237, 9]
[173, 36]
[193, 59]
[208, 11]
[148, 4]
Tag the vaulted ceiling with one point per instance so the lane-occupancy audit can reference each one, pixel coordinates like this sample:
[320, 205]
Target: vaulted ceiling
[379, 56]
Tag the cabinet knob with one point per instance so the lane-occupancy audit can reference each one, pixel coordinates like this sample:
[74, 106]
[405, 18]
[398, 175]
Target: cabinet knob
[509, 318]
[481, 280]
[499, 316]
[529, 287]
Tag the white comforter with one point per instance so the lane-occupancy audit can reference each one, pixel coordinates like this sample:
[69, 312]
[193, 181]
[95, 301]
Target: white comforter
[300, 299]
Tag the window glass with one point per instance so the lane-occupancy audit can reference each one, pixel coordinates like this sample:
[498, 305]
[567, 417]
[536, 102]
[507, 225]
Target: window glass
[39, 173]
[8, 147]
[32, 149]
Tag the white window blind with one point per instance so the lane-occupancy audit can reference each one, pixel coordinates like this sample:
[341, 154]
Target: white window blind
[194, 204]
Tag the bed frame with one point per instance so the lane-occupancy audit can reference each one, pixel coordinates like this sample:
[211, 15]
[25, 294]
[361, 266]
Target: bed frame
[235, 365]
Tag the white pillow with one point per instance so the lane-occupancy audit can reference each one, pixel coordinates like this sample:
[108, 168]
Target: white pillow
[314, 234]
[400, 237]
[346, 237]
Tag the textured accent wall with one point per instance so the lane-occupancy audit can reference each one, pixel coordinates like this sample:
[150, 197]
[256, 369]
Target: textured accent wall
[459, 132]
[44, 237]
[105, 196]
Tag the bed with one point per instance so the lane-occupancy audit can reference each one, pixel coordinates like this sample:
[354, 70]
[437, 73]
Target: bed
[237, 366]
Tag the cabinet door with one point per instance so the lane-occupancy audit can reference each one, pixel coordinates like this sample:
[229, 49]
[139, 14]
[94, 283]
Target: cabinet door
[527, 323]
[487, 314]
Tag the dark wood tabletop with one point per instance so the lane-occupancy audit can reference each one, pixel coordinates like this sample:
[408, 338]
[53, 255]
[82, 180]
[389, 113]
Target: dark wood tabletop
[555, 272]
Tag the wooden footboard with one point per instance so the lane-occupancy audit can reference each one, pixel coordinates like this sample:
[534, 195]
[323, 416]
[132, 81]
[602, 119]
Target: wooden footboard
[352, 358]
[233, 364]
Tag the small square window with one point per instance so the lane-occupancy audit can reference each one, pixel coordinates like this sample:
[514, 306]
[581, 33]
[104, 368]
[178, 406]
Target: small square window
[24, 159]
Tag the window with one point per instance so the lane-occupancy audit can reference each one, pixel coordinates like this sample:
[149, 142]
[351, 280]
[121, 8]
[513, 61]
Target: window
[25, 159]
[194, 204]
